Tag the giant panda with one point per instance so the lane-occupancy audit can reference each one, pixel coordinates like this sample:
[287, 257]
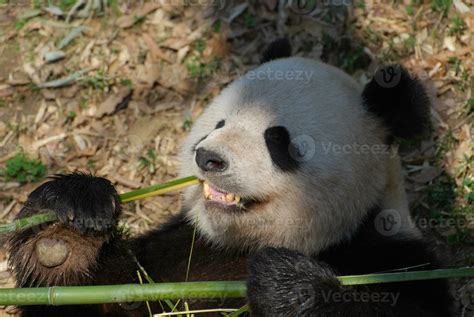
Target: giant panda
[300, 183]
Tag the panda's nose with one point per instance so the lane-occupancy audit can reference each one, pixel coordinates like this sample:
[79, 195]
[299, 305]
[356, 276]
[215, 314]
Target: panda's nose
[210, 161]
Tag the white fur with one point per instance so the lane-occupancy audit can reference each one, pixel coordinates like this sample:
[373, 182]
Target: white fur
[315, 206]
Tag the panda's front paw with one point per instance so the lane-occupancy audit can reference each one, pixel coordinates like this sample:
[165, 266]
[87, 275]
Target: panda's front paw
[82, 201]
[287, 283]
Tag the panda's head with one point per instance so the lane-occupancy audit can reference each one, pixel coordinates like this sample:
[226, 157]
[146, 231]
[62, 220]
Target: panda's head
[295, 153]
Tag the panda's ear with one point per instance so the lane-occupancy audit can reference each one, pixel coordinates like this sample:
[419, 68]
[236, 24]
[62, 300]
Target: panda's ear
[400, 100]
[279, 48]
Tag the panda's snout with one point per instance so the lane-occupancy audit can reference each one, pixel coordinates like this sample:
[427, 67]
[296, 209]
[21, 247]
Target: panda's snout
[210, 161]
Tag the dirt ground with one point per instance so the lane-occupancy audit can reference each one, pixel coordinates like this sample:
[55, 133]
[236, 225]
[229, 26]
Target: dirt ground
[134, 76]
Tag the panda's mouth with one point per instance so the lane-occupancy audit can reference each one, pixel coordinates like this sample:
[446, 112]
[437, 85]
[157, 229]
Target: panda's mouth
[220, 197]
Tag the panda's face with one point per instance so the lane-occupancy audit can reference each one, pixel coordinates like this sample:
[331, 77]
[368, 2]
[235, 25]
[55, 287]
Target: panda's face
[229, 157]
[280, 159]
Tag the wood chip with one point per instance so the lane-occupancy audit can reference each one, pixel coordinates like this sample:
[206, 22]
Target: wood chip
[127, 182]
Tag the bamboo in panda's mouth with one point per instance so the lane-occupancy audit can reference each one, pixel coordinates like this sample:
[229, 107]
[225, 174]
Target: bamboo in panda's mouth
[211, 193]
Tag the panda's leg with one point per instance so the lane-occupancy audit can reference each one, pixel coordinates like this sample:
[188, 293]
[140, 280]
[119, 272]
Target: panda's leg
[286, 283]
[83, 247]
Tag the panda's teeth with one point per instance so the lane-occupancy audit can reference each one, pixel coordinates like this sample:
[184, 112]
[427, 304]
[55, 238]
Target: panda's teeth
[230, 197]
[206, 190]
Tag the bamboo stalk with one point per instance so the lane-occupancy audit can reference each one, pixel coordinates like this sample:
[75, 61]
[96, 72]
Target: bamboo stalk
[159, 189]
[81, 295]
[154, 190]
[78, 295]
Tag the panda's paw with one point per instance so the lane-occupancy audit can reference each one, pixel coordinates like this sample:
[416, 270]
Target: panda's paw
[66, 251]
[81, 201]
[287, 283]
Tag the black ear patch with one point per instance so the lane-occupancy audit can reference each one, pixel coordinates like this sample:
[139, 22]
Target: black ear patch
[400, 100]
[279, 146]
[280, 48]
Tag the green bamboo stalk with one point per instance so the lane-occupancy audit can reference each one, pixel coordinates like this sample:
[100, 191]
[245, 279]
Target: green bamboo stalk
[154, 190]
[81, 295]
[27, 222]
[406, 276]
[159, 189]
[78, 295]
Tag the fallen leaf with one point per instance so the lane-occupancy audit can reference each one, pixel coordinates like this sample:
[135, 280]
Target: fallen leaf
[114, 101]
[426, 175]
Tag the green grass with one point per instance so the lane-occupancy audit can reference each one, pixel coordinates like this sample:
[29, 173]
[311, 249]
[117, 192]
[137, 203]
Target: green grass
[195, 64]
[217, 26]
[442, 6]
[458, 26]
[200, 45]
[441, 198]
[71, 115]
[83, 103]
[354, 59]
[187, 124]
[37, 4]
[98, 81]
[24, 170]
[469, 106]
[66, 5]
[148, 161]
[410, 43]
[19, 24]
[126, 82]
[250, 21]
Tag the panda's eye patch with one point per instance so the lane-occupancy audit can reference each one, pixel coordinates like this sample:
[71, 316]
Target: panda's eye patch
[220, 124]
[278, 143]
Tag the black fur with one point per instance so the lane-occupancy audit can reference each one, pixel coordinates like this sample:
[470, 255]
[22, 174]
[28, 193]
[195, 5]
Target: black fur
[83, 201]
[280, 282]
[287, 283]
[399, 100]
[279, 48]
[280, 148]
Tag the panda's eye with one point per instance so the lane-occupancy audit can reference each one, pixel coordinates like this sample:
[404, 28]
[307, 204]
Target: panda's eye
[278, 144]
[220, 124]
